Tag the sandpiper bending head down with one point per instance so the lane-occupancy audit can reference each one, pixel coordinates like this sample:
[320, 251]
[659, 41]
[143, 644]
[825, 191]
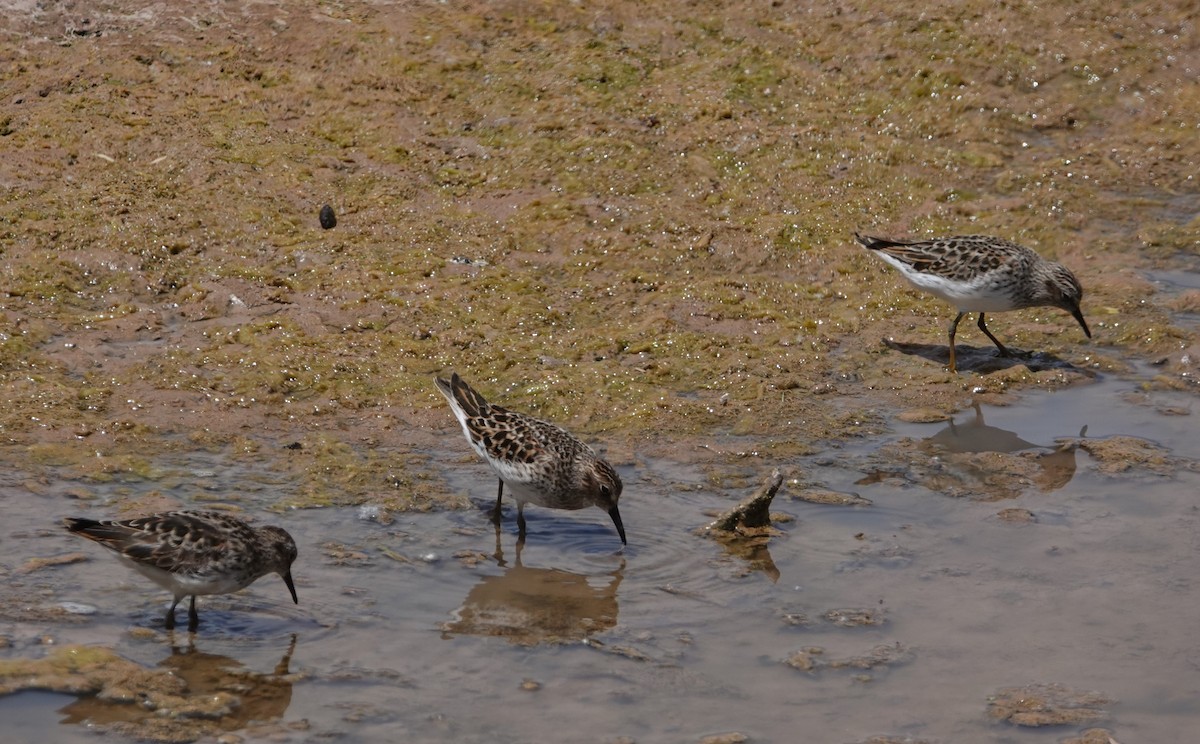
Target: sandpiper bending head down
[977, 273]
[541, 463]
[194, 552]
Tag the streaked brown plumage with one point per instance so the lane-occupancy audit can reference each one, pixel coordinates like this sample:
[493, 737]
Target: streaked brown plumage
[541, 463]
[978, 273]
[194, 552]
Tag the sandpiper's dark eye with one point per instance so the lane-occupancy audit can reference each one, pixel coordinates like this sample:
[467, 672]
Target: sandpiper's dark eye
[605, 491]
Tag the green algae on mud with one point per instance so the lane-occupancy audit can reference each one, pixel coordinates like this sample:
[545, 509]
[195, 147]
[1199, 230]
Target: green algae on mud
[656, 210]
[318, 471]
[194, 695]
[71, 669]
[332, 473]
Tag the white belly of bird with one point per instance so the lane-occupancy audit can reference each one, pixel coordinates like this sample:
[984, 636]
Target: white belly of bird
[182, 585]
[980, 295]
[522, 486]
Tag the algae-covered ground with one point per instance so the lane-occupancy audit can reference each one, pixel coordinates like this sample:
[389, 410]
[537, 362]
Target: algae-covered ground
[635, 219]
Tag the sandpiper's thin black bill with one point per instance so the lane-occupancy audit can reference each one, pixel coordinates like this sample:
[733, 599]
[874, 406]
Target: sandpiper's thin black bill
[616, 518]
[1079, 316]
[287, 579]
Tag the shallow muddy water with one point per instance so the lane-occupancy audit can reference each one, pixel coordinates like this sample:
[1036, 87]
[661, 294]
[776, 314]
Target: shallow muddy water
[911, 612]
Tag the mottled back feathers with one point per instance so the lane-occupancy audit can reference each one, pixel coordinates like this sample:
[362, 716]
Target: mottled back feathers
[960, 258]
[540, 462]
[193, 543]
[497, 433]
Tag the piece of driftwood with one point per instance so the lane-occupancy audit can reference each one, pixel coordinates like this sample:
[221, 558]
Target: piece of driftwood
[745, 530]
[754, 513]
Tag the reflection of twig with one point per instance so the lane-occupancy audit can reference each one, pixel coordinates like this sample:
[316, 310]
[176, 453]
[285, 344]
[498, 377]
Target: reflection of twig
[282, 667]
[754, 512]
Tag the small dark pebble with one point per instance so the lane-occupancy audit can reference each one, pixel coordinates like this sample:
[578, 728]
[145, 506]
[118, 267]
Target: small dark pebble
[328, 218]
[293, 446]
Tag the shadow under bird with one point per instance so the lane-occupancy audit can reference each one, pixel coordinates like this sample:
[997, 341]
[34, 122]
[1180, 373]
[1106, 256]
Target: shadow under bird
[541, 463]
[194, 552]
[977, 273]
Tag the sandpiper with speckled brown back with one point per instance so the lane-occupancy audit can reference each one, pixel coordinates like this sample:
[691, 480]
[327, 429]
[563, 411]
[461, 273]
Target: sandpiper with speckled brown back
[194, 552]
[542, 463]
[982, 274]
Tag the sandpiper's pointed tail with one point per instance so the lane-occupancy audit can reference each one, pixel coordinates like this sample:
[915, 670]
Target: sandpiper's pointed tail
[79, 524]
[919, 255]
[106, 532]
[877, 244]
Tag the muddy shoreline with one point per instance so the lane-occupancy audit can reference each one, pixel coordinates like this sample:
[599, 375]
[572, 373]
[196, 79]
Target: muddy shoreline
[638, 226]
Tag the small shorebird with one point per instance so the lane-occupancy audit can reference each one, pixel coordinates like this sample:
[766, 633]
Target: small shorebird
[541, 463]
[194, 552]
[977, 273]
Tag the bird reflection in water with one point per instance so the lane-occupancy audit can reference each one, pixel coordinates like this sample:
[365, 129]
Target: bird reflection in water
[530, 605]
[1054, 468]
[209, 694]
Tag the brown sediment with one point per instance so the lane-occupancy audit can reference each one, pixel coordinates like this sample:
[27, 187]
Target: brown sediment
[193, 695]
[1047, 705]
[636, 224]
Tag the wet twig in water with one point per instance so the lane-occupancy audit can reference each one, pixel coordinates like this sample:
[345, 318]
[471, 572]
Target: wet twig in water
[753, 513]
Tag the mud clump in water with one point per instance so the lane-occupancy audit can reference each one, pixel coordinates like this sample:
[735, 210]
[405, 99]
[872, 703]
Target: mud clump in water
[855, 618]
[830, 498]
[1122, 453]
[193, 695]
[733, 737]
[1016, 516]
[812, 659]
[1047, 705]
[1093, 736]
[745, 531]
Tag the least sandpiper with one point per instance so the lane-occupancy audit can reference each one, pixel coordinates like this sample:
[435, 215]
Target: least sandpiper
[977, 273]
[194, 552]
[541, 463]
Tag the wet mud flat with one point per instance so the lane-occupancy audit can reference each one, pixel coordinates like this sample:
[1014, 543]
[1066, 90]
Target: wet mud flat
[930, 603]
[640, 224]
